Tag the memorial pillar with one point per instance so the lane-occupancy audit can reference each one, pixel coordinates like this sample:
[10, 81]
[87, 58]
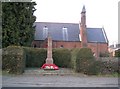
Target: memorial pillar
[49, 59]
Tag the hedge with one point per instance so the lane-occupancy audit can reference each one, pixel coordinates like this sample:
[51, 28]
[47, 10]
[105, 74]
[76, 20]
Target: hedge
[104, 54]
[62, 57]
[35, 57]
[16, 58]
[13, 59]
[73, 58]
[85, 62]
[108, 65]
[117, 53]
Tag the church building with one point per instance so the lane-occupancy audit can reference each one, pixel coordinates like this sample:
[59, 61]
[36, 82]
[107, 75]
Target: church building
[71, 35]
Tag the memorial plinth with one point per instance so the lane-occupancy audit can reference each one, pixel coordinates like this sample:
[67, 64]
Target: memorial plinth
[49, 60]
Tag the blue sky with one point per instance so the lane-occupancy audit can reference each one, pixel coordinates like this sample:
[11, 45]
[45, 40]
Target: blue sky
[99, 13]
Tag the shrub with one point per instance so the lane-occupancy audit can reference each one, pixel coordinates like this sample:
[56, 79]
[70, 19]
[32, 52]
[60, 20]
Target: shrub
[108, 66]
[73, 58]
[13, 59]
[104, 54]
[94, 69]
[117, 53]
[85, 61]
[35, 57]
[62, 57]
[118, 66]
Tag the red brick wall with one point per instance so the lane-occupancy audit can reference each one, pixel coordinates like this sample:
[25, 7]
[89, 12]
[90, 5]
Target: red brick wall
[98, 47]
[39, 44]
[36, 43]
[58, 44]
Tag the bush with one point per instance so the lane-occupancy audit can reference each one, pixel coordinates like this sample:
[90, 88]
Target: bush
[108, 66]
[73, 58]
[94, 68]
[16, 58]
[85, 61]
[119, 66]
[35, 57]
[62, 57]
[117, 53]
[105, 54]
[13, 59]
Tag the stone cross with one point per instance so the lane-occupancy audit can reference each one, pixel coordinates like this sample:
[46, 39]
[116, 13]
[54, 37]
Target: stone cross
[49, 59]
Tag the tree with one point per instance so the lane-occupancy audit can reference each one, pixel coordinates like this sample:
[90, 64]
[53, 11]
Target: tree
[18, 23]
[117, 53]
[0, 25]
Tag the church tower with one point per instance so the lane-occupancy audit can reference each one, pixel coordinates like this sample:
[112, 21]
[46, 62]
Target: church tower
[83, 28]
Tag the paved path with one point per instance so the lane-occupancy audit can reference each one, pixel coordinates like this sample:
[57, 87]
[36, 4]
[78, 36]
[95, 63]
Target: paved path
[58, 81]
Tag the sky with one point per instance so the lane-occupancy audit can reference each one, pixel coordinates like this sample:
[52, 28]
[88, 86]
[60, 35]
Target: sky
[99, 13]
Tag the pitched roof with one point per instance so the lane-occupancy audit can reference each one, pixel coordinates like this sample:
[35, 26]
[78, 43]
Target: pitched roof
[67, 32]
[96, 35]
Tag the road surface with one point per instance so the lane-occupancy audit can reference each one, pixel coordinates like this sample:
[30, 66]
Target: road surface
[58, 81]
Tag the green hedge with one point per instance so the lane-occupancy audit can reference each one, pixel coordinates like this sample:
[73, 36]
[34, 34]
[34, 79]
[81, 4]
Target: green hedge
[35, 57]
[62, 57]
[104, 54]
[13, 59]
[117, 53]
[108, 65]
[73, 58]
[85, 62]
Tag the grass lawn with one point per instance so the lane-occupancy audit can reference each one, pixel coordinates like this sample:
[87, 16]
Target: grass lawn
[0, 72]
[109, 75]
[5, 73]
